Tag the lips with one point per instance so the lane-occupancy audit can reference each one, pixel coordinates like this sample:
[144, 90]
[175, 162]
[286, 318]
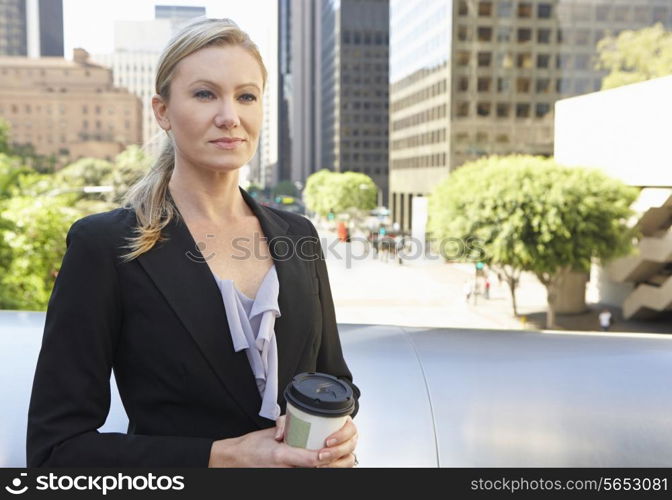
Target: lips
[228, 142]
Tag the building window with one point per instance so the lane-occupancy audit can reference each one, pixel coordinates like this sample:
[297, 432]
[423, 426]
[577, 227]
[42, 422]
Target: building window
[484, 84]
[542, 109]
[544, 35]
[463, 83]
[484, 34]
[621, 13]
[543, 85]
[563, 61]
[562, 85]
[503, 110]
[503, 34]
[582, 37]
[543, 60]
[524, 60]
[659, 14]
[560, 36]
[503, 84]
[462, 8]
[484, 9]
[524, 10]
[642, 15]
[524, 35]
[463, 58]
[544, 10]
[603, 12]
[504, 9]
[582, 61]
[502, 138]
[462, 109]
[484, 59]
[522, 110]
[483, 109]
[504, 60]
[581, 85]
[463, 34]
[522, 85]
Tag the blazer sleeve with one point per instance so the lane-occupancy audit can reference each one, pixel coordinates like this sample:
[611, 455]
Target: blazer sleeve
[70, 397]
[330, 356]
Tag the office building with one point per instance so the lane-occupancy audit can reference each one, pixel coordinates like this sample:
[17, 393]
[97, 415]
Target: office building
[68, 109]
[31, 28]
[470, 78]
[354, 88]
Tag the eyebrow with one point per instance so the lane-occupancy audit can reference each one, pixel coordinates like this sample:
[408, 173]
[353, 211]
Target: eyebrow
[214, 84]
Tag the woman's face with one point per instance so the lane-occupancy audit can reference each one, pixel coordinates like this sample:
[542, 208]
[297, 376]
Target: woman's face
[215, 110]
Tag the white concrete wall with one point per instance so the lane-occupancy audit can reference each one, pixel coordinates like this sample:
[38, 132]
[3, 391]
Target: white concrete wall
[626, 131]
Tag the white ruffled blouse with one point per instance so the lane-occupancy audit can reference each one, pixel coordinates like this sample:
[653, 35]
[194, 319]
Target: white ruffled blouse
[252, 323]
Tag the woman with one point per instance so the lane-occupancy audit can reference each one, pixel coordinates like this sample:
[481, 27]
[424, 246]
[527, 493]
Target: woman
[202, 337]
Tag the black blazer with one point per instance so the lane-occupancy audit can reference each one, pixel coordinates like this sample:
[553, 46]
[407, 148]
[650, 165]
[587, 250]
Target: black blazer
[159, 322]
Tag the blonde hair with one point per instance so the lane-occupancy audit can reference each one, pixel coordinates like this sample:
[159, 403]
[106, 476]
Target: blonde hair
[149, 197]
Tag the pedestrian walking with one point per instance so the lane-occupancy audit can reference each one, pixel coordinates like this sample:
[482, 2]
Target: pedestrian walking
[487, 288]
[605, 320]
[467, 289]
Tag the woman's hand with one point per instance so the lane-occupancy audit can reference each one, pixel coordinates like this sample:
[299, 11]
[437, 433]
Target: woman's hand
[340, 446]
[262, 448]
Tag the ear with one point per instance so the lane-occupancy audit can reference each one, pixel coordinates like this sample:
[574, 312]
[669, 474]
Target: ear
[160, 109]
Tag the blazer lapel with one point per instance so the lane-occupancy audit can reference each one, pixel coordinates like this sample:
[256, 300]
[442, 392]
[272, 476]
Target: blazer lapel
[179, 270]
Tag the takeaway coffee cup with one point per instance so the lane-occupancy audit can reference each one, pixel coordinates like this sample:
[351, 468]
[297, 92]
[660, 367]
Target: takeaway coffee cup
[317, 406]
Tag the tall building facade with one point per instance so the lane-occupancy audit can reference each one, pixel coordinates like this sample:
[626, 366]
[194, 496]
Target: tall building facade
[354, 75]
[298, 85]
[267, 174]
[68, 109]
[31, 28]
[50, 28]
[178, 13]
[470, 78]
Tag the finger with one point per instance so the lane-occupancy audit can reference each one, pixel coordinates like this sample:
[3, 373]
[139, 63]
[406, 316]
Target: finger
[347, 461]
[339, 451]
[343, 434]
[280, 428]
[299, 457]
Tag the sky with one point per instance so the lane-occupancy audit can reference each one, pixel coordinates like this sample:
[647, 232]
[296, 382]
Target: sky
[90, 23]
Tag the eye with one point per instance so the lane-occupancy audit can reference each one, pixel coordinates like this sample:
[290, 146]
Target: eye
[248, 97]
[204, 95]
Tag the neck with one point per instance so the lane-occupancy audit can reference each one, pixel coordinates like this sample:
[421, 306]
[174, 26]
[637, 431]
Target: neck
[208, 197]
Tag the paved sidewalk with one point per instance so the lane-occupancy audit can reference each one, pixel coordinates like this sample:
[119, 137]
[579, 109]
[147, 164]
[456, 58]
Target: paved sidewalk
[429, 292]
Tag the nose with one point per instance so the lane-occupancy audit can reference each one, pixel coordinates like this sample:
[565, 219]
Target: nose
[227, 116]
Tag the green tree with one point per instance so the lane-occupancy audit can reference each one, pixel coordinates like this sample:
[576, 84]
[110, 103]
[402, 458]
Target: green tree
[129, 166]
[531, 214]
[33, 236]
[285, 188]
[5, 137]
[11, 171]
[85, 172]
[340, 192]
[316, 193]
[635, 56]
